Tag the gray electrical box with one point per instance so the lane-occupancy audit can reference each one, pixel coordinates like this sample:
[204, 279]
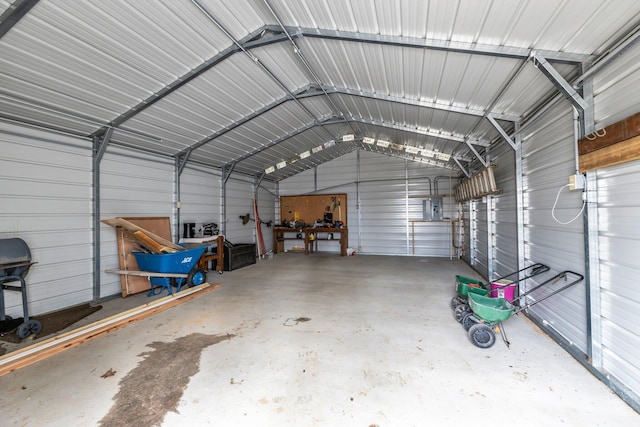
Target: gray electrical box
[432, 209]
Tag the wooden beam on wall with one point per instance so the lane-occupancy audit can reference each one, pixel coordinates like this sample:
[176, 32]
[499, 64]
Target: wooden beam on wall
[612, 145]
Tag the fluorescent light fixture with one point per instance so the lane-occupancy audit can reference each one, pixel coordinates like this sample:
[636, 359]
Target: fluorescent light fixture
[270, 170]
[305, 154]
[349, 137]
[316, 149]
[383, 144]
[411, 150]
[428, 153]
[443, 156]
[368, 140]
[281, 165]
[329, 144]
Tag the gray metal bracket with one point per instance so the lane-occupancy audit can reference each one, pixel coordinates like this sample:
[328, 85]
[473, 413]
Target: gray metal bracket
[559, 82]
[462, 168]
[227, 171]
[182, 159]
[475, 152]
[502, 132]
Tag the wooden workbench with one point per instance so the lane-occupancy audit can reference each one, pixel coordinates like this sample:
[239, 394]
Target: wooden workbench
[310, 237]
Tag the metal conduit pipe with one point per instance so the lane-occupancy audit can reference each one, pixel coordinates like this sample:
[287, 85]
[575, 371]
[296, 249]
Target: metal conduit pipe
[438, 178]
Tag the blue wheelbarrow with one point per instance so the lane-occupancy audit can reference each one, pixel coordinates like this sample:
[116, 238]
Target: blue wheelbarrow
[166, 271]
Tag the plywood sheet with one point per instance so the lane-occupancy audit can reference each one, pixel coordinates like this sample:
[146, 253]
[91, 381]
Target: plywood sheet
[160, 226]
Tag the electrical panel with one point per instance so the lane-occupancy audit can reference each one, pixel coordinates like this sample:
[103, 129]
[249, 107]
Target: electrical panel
[432, 209]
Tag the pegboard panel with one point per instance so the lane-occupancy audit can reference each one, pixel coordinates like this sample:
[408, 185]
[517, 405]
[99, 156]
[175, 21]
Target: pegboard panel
[310, 208]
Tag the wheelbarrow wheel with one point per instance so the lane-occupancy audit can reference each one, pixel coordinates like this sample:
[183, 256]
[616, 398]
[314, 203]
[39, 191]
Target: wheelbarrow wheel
[196, 277]
[32, 327]
[460, 311]
[482, 335]
[468, 321]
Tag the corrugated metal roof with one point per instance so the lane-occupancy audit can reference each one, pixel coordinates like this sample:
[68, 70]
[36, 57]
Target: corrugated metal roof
[221, 82]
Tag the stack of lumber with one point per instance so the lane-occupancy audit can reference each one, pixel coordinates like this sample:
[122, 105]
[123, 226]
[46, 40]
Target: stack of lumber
[149, 241]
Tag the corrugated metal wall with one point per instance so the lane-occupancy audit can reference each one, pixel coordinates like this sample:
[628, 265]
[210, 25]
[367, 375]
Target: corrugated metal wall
[480, 236]
[131, 185]
[266, 209]
[200, 197]
[45, 185]
[239, 200]
[383, 205]
[616, 94]
[390, 192]
[548, 160]
[432, 238]
[504, 224]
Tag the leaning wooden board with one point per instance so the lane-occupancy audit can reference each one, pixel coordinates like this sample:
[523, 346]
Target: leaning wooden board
[159, 226]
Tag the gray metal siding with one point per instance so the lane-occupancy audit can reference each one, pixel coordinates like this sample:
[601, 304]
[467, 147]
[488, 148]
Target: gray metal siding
[45, 185]
[548, 160]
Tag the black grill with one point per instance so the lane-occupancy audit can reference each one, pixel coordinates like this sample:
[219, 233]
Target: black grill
[15, 262]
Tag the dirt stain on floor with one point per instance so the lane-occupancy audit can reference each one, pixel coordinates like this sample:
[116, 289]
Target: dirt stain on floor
[156, 385]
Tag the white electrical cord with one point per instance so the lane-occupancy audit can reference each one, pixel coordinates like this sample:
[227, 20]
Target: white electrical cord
[584, 202]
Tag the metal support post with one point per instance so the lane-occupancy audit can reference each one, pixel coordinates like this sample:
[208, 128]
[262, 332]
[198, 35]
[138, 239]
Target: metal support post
[100, 144]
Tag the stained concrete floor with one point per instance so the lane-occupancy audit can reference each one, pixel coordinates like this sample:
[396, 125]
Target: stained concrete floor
[314, 340]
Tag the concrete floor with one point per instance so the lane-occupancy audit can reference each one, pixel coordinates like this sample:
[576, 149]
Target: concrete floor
[381, 348]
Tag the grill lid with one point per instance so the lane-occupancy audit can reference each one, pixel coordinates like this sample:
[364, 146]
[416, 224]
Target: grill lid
[14, 251]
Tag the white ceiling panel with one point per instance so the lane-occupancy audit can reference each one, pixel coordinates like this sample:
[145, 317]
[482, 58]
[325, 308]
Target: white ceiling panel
[218, 78]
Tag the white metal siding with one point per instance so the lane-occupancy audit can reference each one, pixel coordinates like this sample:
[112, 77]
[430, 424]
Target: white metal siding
[45, 186]
[616, 92]
[200, 197]
[266, 209]
[391, 191]
[548, 160]
[505, 229]
[239, 200]
[466, 250]
[432, 238]
[131, 185]
[383, 205]
[619, 246]
[480, 236]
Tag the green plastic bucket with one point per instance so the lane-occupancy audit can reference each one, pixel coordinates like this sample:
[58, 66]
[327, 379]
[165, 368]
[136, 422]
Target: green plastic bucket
[466, 285]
